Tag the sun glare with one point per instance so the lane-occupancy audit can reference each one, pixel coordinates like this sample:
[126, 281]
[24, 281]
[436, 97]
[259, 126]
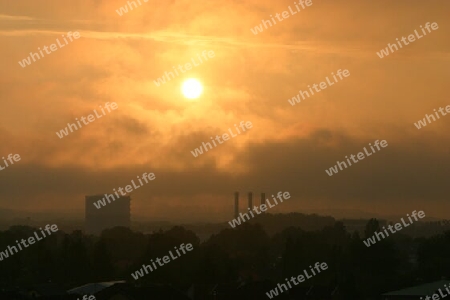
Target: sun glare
[192, 88]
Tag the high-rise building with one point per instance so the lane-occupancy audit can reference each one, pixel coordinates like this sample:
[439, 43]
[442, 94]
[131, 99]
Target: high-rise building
[116, 213]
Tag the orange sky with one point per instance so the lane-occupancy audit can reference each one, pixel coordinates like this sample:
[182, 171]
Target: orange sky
[250, 78]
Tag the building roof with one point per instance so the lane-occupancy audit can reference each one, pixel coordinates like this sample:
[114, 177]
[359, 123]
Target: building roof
[420, 290]
[152, 291]
[48, 289]
[92, 288]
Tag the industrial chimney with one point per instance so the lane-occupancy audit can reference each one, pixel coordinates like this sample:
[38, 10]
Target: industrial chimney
[236, 205]
[263, 198]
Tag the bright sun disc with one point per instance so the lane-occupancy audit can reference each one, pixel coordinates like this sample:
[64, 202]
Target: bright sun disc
[192, 88]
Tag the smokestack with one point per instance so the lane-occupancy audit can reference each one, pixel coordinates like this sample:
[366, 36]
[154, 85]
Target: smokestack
[263, 198]
[236, 205]
[250, 200]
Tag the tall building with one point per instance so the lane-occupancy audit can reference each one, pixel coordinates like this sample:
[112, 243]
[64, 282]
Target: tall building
[116, 213]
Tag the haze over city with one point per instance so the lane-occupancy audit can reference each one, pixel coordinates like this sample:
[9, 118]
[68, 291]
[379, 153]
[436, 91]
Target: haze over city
[251, 77]
[194, 150]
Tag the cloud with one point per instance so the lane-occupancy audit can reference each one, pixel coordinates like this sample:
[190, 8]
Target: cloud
[15, 18]
[403, 174]
[250, 78]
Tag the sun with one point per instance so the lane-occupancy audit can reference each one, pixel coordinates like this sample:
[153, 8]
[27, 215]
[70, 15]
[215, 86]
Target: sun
[192, 88]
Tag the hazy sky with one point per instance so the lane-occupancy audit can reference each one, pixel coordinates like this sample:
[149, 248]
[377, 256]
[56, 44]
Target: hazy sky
[250, 78]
